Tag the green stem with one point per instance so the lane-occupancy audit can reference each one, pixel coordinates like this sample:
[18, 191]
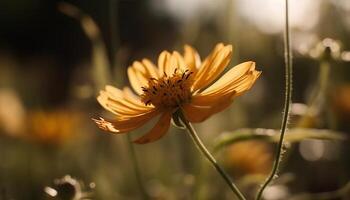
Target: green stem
[136, 168]
[287, 102]
[114, 40]
[210, 158]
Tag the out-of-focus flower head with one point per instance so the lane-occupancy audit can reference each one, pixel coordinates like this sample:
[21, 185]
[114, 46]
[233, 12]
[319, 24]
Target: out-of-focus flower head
[327, 49]
[249, 158]
[12, 113]
[341, 101]
[51, 127]
[180, 83]
[67, 188]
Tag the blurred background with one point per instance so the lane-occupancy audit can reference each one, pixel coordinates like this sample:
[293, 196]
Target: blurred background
[55, 56]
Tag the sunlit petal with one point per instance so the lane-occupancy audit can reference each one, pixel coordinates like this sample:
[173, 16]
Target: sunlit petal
[163, 62]
[192, 59]
[135, 82]
[118, 107]
[240, 78]
[177, 61]
[126, 94]
[126, 124]
[212, 68]
[151, 68]
[205, 64]
[119, 103]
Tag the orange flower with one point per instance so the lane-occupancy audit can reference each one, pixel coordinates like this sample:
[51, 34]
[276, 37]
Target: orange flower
[257, 162]
[180, 82]
[52, 127]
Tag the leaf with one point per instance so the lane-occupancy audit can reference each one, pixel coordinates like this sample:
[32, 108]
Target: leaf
[272, 135]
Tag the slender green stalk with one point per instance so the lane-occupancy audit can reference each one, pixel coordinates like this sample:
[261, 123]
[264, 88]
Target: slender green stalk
[210, 158]
[287, 102]
[136, 168]
[114, 40]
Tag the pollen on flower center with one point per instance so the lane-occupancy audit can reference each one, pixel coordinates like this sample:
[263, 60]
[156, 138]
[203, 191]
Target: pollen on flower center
[168, 91]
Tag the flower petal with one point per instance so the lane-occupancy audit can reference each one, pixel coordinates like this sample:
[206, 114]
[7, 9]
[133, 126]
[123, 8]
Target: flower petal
[163, 62]
[126, 94]
[211, 99]
[118, 106]
[212, 67]
[192, 58]
[157, 131]
[136, 80]
[151, 68]
[239, 78]
[120, 103]
[198, 114]
[125, 125]
[146, 69]
[105, 125]
[177, 61]
[204, 66]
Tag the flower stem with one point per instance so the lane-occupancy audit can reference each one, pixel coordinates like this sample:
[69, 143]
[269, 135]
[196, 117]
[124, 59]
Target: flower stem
[113, 5]
[136, 168]
[210, 158]
[287, 102]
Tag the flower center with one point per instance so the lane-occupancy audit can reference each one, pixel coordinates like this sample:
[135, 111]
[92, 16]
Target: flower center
[168, 91]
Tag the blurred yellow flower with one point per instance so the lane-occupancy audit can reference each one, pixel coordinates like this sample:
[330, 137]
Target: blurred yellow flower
[180, 82]
[249, 158]
[51, 127]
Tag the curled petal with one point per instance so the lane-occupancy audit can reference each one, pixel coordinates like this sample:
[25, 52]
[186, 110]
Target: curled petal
[127, 124]
[157, 131]
[105, 125]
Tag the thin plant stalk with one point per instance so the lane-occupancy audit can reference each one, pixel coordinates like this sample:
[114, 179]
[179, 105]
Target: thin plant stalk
[114, 40]
[136, 168]
[209, 157]
[287, 103]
